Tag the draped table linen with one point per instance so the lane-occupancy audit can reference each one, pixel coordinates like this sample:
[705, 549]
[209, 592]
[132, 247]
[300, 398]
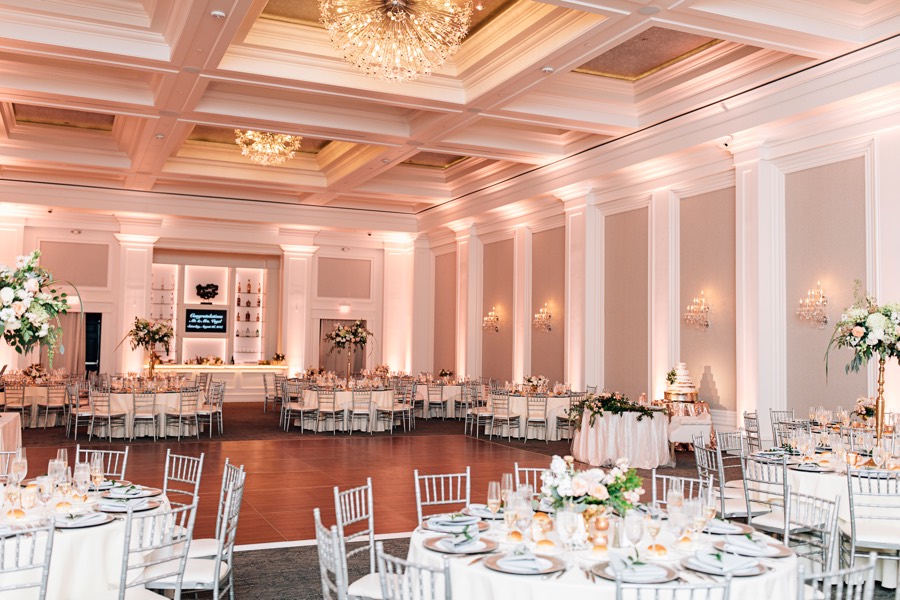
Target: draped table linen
[343, 399]
[518, 405]
[645, 442]
[10, 432]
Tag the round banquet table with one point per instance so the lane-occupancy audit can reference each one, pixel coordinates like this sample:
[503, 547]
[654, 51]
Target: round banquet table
[450, 394]
[644, 441]
[518, 405]
[86, 562]
[344, 400]
[477, 581]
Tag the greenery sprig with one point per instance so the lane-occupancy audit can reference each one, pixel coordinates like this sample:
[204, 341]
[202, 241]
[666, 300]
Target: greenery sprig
[614, 403]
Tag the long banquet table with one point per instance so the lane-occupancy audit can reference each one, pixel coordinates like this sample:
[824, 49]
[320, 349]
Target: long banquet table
[644, 441]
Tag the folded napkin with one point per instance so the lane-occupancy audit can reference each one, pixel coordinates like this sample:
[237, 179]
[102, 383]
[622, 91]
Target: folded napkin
[454, 519]
[481, 510]
[744, 545]
[522, 559]
[723, 562]
[126, 491]
[460, 543]
[722, 526]
[453, 526]
[107, 483]
[79, 520]
[122, 504]
[632, 573]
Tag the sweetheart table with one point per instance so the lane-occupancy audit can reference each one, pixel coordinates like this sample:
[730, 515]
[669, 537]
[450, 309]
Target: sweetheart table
[645, 442]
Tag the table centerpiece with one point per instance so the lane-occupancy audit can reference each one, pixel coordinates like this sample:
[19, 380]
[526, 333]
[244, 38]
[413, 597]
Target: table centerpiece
[345, 337]
[536, 382]
[29, 306]
[870, 330]
[594, 405]
[147, 334]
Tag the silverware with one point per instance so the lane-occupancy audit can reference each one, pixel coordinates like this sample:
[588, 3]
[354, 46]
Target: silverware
[561, 573]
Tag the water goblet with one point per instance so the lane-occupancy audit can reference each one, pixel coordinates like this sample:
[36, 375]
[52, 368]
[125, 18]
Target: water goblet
[65, 482]
[493, 497]
[45, 485]
[63, 455]
[634, 527]
[675, 493]
[879, 456]
[567, 524]
[18, 467]
[506, 487]
[653, 524]
[97, 471]
[524, 516]
[510, 511]
[27, 498]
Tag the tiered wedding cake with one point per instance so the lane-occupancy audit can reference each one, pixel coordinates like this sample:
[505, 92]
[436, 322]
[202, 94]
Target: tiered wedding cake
[682, 389]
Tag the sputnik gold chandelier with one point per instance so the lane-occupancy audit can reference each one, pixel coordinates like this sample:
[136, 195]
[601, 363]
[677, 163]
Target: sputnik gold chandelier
[396, 40]
[265, 148]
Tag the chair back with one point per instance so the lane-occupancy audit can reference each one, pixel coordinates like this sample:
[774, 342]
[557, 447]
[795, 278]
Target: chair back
[781, 416]
[25, 559]
[351, 507]
[690, 487]
[332, 570]
[859, 439]
[718, 590]
[781, 432]
[145, 403]
[435, 393]
[813, 526]
[203, 381]
[56, 395]
[268, 385]
[291, 391]
[326, 400]
[182, 478]
[6, 457]
[216, 395]
[279, 383]
[709, 469]
[15, 395]
[114, 461]
[751, 426]
[227, 534]
[73, 395]
[230, 474]
[404, 580]
[537, 407]
[766, 486]
[873, 500]
[439, 490]
[100, 401]
[362, 400]
[529, 476]
[156, 547]
[856, 583]
[188, 399]
[500, 403]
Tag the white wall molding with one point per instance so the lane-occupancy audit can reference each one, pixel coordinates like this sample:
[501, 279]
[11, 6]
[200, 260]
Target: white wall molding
[469, 295]
[522, 280]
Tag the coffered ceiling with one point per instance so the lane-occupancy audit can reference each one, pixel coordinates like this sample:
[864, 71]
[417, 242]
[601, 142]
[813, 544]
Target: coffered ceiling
[145, 94]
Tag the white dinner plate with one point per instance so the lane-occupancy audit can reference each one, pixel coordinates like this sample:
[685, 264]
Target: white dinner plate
[773, 550]
[546, 564]
[123, 507]
[63, 524]
[692, 564]
[738, 529]
[144, 493]
[438, 544]
[605, 571]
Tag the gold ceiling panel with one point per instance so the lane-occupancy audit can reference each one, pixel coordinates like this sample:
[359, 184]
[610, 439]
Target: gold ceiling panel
[61, 117]
[434, 160]
[225, 135]
[646, 53]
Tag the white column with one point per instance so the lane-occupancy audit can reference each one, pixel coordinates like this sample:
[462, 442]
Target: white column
[469, 256]
[664, 284]
[521, 303]
[584, 293]
[135, 277]
[422, 350]
[398, 305]
[12, 229]
[887, 243]
[296, 291]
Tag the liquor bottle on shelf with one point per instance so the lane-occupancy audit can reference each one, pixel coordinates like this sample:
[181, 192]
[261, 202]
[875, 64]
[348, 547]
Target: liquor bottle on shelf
[247, 332]
[248, 315]
[257, 333]
[239, 287]
[248, 285]
[239, 317]
[248, 304]
[259, 288]
[257, 316]
[237, 333]
[239, 301]
[258, 301]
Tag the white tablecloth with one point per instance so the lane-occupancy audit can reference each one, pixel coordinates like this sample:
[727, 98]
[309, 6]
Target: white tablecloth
[451, 394]
[477, 581]
[644, 442]
[344, 400]
[85, 562]
[10, 431]
[518, 405]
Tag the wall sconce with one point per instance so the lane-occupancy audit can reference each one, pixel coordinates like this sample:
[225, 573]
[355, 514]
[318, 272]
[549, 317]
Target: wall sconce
[698, 313]
[492, 321]
[343, 308]
[812, 308]
[542, 318]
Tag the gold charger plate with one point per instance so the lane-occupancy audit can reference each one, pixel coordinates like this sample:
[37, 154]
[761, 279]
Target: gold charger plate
[777, 550]
[435, 545]
[146, 492]
[743, 528]
[482, 527]
[600, 571]
[555, 565]
[689, 564]
[124, 507]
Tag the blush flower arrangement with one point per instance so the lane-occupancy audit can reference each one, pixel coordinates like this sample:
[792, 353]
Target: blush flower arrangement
[618, 488]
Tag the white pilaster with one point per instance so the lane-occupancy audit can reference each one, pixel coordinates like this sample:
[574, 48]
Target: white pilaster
[12, 230]
[887, 243]
[422, 331]
[469, 257]
[398, 304]
[584, 293]
[135, 276]
[664, 278]
[296, 289]
[521, 303]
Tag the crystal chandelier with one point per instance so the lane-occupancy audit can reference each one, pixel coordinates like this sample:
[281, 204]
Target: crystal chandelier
[542, 319]
[812, 308]
[491, 322]
[698, 313]
[396, 40]
[268, 149]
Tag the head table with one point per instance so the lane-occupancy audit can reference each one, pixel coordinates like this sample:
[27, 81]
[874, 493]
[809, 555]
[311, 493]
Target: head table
[470, 580]
[644, 440]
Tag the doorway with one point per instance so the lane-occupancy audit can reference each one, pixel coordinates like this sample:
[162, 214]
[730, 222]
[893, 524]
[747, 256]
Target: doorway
[337, 361]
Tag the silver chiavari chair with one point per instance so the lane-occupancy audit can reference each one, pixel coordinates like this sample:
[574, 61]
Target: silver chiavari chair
[502, 416]
[528, 476]
[690, 487]
[145, 412]
[328, 409]
[812, 527]
[353, 510]
[102, 413]
[400, 408]
[709, 467]
[403, 580]
[441, 490]
[766, 492]
[182, 478]
[536, 418]
[751, 427]
[207, 547]
[332, 570]
[78, 407]
[361, 408]
[874, 514]
[54, 404]
[715, 590]
[186, 414]
[435, 401]
[210, 412]
[114, 461]
[855, 583]
[15, 402]
[565, 424]
[25, 561]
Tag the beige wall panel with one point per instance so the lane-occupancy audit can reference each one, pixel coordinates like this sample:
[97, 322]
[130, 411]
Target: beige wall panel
[82, 264]
[444, 312]
[626, 319]
[344, 278]
[548, 284]
[825, 231]
[496, 361]
[707, 262]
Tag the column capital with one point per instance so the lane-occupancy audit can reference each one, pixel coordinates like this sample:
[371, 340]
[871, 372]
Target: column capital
[298, 250]
[132, 239]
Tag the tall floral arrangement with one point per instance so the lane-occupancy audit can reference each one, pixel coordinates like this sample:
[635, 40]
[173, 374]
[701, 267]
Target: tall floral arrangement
[147, 334]
[536, 381]
[619, 488]
[869, 329]
[347, 336]
[30, 307]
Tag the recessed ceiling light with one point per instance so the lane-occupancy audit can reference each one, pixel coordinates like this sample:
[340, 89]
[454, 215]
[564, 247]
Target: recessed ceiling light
[160, 136]
[547, 70]
[217, 14]
[648, 10]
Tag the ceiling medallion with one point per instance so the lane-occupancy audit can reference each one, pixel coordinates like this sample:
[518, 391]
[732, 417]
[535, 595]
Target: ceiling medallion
[396, 40]
[268, 149]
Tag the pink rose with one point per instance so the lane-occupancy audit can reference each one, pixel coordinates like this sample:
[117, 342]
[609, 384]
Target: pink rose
[599, 491]
[858, 331]
[19, 308]
[579, 486]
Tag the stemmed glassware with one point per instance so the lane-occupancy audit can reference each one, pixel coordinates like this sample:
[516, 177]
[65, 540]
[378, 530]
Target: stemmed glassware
[45, 485]
[493, 497]
[81, 479]
[97, 471]
[634, 527]
[18, 468]
[506, 487]
[653, 523]
[879, 456]
[567, 523]
[675, 494]
[62, 455]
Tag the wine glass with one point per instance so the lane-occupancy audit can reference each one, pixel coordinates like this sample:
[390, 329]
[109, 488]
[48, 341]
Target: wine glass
[524, 516]
[653, 524]
[506, 487]
[675, 494]
[18, 467]
[45, 485]
[634, 527]
[55, 469]
[868, 442]
[493, 498]
[677, 523]
[97, 472]
[28, 497]
[65, 482]
[879, 456]
[63, 455]
[567, 523]
[81, 478]
[510, 510]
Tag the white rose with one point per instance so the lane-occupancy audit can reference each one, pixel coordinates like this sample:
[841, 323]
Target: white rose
[565, 488]
[12, 324]
[599, 491]
[580, 485]
[877, 321]
[45, 329]
[874, 337]
[557, 464]
[19, 308]
[7, 295]
[32, 285]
